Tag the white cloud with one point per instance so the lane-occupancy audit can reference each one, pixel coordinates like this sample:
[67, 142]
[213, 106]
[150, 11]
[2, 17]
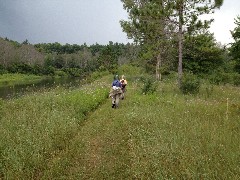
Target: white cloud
[224, 21]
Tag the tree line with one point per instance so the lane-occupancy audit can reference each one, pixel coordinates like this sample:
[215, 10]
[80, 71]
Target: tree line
[167, 36]
[57, 59]
[172, 35]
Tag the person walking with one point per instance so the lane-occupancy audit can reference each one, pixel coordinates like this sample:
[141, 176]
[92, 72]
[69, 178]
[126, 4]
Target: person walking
[124, 84]
[116, 91]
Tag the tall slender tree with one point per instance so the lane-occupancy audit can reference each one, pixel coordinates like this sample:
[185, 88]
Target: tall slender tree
[186, 14]
[151, 21]
[147, 27]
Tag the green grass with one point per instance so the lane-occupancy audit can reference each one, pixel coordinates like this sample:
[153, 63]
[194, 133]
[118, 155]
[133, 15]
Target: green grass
[13, 79]
[160, 136]
[35, 128]
[165, 135]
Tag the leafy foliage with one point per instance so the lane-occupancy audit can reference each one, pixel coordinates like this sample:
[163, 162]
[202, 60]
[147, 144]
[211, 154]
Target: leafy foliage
[201, 54]
[158, 25]
[190, 84]
[74, 60]
[149, 85]
[235, 48]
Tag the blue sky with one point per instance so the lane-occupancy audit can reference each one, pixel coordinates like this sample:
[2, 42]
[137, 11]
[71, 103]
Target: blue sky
[79, 21]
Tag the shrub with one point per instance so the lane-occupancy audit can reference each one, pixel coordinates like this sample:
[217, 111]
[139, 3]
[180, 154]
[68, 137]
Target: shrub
[19, 67]
[224, 78]
[99, 74]
[37, 69]
[236, 79]
[171, 76]
[60, 73]
[149, 85]
[49, 70]
[209, 90]
[190, 84]
[75, 72]
[2, 69]
[220, 78]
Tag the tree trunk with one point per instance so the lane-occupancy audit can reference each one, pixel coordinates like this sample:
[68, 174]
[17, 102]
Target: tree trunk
[159, 64]
[180, 44]
[159, 57]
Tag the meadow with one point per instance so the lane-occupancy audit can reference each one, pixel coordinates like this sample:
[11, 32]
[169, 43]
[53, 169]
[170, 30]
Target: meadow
[36, 127]
[163, 135]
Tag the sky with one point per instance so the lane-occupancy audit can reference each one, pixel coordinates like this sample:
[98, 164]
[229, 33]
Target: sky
[85, 21]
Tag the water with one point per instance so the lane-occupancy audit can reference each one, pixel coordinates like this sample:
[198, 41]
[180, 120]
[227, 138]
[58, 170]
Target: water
[9, 92]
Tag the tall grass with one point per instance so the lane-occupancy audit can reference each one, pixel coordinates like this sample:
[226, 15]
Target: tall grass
[35, 128]
[164, 135]
[13, 79]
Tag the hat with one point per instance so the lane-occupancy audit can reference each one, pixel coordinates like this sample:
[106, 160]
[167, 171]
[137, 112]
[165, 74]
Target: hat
[116, 77]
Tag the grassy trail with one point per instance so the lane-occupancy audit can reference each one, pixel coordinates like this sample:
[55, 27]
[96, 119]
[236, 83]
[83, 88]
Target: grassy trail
[154, 137]
[75, 134]
[102, 148]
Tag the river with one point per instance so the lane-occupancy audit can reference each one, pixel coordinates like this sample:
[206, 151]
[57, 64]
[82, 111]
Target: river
[9, 92]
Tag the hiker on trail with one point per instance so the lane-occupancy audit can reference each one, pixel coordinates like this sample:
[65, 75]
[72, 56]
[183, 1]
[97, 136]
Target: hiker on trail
[124, 84]
[115, 92]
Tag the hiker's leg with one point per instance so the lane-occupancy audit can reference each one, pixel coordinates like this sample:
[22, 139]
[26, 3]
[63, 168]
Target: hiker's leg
[113, 100]
[117, 99]
[123, 94]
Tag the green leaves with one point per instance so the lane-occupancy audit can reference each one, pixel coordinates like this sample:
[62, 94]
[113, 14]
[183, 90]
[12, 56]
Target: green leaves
[201, 54]
[235, 48]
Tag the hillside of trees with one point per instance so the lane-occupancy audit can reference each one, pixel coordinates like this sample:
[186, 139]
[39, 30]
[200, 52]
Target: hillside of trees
[57, 59]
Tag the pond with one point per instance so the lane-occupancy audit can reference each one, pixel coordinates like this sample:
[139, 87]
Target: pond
[15, 91]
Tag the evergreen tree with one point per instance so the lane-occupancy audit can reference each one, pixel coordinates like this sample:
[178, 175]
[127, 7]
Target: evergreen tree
[235, 48]
[147, 27]
[152, 21]
[201, 54]
[186, 14]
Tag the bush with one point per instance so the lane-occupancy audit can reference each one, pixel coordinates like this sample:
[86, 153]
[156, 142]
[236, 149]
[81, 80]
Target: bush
[2, 69]
[236, 79]
[99, 74]
[220, 78]
[225, 78]
[19, 67]
[37, 69]
[75, 72]
[190, 84]
[171, 76]
[49, 70]
[60, 73]
[149, 85]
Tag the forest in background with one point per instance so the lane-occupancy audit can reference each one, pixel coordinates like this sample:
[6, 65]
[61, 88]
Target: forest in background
[202, 56]
[168, 37]
[176, 34]
[55, 59]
